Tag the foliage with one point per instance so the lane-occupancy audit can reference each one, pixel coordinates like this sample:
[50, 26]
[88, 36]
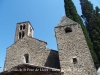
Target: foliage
[92, 20]
[71, 12]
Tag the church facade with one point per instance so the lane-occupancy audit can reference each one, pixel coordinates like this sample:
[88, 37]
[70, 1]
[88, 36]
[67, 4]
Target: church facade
[72, 58]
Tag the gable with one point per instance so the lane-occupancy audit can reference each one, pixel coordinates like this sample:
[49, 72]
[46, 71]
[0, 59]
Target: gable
[65, 21]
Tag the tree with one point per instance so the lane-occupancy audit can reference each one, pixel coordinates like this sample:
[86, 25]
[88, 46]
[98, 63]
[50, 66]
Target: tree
[92, 21]
[71, 12]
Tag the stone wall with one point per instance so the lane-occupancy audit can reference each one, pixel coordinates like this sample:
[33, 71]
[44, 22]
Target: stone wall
[39, 55]
[53, 59]
[33, 47]
[74, 54]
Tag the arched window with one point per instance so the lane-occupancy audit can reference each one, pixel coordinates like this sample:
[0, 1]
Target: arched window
[24, 26]
[20, 27]
[26, 56]
[68, 29]
[23, 34]
[19, 34]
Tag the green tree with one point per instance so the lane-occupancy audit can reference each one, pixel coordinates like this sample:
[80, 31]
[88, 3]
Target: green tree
[92, 21]
[71, 12]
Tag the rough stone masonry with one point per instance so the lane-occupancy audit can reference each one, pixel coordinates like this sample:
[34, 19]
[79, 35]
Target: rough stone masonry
[72, 58]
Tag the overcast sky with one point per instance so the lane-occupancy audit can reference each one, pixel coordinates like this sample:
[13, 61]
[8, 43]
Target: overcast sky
[44, 15]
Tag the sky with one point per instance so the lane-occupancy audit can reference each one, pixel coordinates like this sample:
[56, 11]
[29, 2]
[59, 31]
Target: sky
[43, 15]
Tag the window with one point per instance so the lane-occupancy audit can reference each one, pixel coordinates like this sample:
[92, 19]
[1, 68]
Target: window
[68, 29]
[23, 34]
[19, 34]
[20, 27]
[24, 26]
[74, 60]
[30, 29]
[26, 58]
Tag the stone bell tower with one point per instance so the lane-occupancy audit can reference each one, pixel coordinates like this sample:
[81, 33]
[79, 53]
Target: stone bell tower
[23, 29]
[74, 54]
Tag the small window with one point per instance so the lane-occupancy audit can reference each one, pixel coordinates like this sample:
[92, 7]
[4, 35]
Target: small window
[30, 29]
[74, 60]
[68, 29]
[26, 58]
[19, 34]
[24, 26]
[20, 27]
[23, 34]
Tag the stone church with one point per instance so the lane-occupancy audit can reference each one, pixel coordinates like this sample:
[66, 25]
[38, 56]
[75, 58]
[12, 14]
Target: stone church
[30, 56]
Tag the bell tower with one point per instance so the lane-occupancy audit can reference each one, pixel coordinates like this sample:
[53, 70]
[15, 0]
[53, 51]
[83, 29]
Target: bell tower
[23, 29]
[74, 54]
